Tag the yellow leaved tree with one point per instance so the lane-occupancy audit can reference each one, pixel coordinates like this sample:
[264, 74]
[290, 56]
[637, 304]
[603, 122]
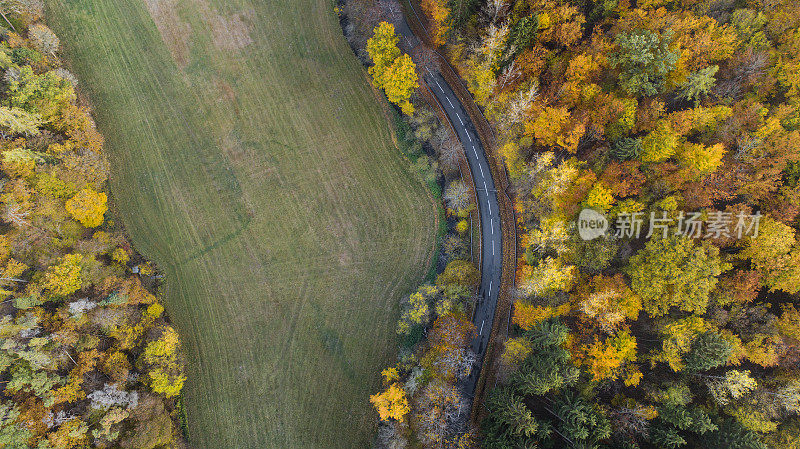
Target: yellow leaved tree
[392, 403]
[382, 47]
[439, 15]
[399, 81]
[65, 278]
[88, 207]
[600, 197]
[392, 71]
[162, 357]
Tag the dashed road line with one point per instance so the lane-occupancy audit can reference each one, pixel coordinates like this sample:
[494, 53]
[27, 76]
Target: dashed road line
[484, 303]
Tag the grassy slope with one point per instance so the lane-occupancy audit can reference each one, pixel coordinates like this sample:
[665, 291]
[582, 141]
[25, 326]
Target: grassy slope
[265, 183]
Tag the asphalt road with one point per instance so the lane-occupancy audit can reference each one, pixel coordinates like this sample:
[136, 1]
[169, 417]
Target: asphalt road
[492, 261]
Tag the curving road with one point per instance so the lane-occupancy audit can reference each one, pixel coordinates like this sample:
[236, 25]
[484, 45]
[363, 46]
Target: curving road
[491, 234]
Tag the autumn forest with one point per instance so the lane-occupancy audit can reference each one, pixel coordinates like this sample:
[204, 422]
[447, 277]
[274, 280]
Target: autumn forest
[652, 154]
[87, 356]
[659, 110]
[678, 123]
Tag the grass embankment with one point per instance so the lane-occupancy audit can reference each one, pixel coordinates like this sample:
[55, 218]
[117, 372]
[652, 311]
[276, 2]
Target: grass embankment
[253, 164]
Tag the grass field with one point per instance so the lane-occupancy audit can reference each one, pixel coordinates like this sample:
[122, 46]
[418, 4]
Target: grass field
[253, 163]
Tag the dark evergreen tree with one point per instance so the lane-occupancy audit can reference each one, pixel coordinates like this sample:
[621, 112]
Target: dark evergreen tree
[644, 59]
[548, 368]
[626, 148]
[666, 437]
[509, 423]
[580, 422]
[709, 351]
[732, 435]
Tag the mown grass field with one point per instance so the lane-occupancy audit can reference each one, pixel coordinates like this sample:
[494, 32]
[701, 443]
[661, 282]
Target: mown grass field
[252, 162]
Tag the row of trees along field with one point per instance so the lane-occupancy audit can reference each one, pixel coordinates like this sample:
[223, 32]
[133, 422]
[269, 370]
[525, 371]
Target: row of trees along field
[87, 357]
[664, 106]
[422, 403]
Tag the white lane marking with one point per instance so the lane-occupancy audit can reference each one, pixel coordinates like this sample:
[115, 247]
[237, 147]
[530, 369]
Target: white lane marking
[468, 137]
[451, 103]
[481, 332]
[440, 86]
[462, 121]
[490, 287]
[481, 167]
[490, 204]
[474, 150]
[491, 222]
[493, 247]
[485, 188]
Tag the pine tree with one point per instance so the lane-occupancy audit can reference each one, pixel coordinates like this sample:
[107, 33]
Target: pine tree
[731, 435]
[509, 423]
[666, 437]
[709, 351]
[548, 367]
[644, 59]
[582, 423]
[626, 148]
[698, 84]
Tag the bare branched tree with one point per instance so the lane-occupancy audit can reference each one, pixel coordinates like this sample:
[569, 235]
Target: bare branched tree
[440, 136]
[743, 70]
[457, 195]
[510, 74]
[426, 60]
[31, 8]
[450, 152]
[390, 10]
[520, 106]
[389, 437]
[15, 215]
[44, 39]
[371, 15]
[493, 12]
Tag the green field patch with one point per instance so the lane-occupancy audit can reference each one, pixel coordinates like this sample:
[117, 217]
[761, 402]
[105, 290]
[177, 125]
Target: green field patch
[257, 170]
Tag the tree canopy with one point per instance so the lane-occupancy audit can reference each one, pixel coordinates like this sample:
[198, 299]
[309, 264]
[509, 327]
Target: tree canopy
[88, 358]
[392, 71]
[675, 272]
